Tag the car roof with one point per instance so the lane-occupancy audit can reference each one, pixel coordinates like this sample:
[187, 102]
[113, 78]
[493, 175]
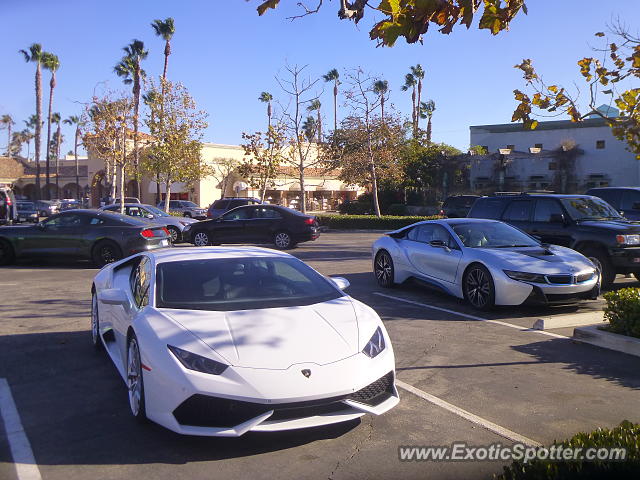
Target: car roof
[536, 195]
[202, 253]
[613, 188]
[112, 206]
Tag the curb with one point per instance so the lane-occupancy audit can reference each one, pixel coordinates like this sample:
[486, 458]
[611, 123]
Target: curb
[611, 341]
[571, 320]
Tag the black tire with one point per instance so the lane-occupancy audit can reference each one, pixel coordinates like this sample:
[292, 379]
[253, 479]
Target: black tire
[187, 215]
[383, 269]
[105, 252]
[95, 323]
[7, 255]
[201, 238]
[603, 263]
[282, 240]
[478, 287]
[135, 379]
[176, 236]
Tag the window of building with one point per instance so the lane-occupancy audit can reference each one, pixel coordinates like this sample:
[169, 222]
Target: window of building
[599, 144]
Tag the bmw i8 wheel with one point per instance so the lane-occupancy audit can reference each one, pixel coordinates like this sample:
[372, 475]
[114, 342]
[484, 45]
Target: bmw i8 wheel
[383, 268]
[135, 383]
[478, 288]
[95, 323]
[201, 239]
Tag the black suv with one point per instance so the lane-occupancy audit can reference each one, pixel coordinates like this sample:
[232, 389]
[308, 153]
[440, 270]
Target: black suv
[586, 224]
[458, 206]
[8, 210]
[624, 199]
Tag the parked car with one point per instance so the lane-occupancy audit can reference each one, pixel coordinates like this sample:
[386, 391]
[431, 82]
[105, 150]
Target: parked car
[102, 237]
[220, 342]
[223, 205]
[8, 210]
[27, 212]
[126, 200]
[46, 208]
[486, 262]
[186, 208]
[70, 205]
[175, 225]
[625, 200]
[584, 223]
[457, 206]
[281, 226]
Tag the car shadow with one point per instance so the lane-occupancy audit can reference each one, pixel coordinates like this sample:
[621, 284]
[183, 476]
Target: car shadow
[74, 409]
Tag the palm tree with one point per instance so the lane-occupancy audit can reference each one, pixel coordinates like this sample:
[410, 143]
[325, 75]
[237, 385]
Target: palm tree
[418, 73]
[410, 83]
[52, 63]
[129, 68]
[309, 128]
[380, 88]
[165, 29]
[35, 55]
[31, 125]
[333, 76]
[266, 97]
[8, 122]
[426, 111]
[75, 120]
[55, 147]
[314, 106]
[22, 137]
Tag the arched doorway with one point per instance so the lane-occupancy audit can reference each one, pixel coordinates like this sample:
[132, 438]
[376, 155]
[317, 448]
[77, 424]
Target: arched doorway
[70, 190]
[29, 191]
[131, 190]
[50, 191]
[99, 188]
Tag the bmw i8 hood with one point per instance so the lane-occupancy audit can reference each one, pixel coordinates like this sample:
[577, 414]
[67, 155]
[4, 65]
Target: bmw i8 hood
[552, 259]
[276, 338]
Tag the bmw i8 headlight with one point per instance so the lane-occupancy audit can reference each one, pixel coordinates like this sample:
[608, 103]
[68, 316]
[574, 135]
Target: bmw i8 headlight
[525, 276]
[375, 345]
[197, 362]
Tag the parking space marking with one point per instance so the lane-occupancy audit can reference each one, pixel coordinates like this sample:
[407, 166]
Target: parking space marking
[23, 458]
[493, 427]
[471, 317]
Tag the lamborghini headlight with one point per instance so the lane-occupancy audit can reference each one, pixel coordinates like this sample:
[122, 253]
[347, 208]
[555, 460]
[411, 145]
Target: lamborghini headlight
[525, 276]
[196, 362]
[375, 345]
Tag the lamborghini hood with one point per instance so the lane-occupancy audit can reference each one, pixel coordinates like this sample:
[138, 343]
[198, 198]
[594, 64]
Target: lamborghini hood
[276, 338]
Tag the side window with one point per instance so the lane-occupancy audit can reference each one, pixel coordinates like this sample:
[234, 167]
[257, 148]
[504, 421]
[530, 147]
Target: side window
[612, 197]
[96, 221]
[141, 282]
[518, 211]
[69, 220]
[545, 207]
[174, 204]
[441, 233]
[487, 208]
[134, 211]
[236, 203]
[220, 204]
[422, 233]
[265, 212]
[240, 214]
[629, 199]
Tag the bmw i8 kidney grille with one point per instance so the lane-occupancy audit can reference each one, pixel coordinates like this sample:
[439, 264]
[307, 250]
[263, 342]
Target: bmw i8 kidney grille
[206, 411]
[563, 279]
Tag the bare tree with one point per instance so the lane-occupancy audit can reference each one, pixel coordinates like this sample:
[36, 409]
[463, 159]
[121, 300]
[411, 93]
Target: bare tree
[221, 171]
[303, 154]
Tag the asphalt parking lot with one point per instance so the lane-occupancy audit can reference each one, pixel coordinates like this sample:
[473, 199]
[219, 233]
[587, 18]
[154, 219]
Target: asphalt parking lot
[73, 405]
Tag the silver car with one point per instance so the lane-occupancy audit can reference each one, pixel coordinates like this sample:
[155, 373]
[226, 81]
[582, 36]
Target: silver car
[175, 225]
[186, 209]
[486, 262]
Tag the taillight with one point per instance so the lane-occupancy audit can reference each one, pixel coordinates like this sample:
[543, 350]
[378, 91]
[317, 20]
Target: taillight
[9, 200]
[147, 233]
[310, 221]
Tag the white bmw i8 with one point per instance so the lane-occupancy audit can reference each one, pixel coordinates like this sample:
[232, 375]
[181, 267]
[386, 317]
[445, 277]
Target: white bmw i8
[486, 262]
[221, 341]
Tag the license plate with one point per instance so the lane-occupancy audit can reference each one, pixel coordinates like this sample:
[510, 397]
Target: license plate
[164, 243]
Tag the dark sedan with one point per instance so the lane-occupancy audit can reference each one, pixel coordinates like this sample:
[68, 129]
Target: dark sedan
[281, 226]
[100, 236]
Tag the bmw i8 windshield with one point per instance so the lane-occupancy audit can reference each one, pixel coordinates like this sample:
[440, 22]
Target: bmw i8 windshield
[492, 235]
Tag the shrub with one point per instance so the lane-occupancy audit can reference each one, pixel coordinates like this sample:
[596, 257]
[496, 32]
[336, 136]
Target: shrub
[626, 435]
[355, 208]
[397, 209]
[623, 311]
[368, 222]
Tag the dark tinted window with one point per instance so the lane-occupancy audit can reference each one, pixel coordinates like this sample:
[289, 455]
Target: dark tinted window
[220, 204]
[124, 219]
[237, 214]
[236, 203]
[229, 284]
[66, 220]
[609, 195]
[174, 204]
[630, 200]
[487, 208]
[26, 206]
[518, 211]
[265, 212]
[545, 207]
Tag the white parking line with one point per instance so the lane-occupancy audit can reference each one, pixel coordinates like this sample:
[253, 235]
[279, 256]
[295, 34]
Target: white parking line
[471, 317]
[23, 458]
[493, 427]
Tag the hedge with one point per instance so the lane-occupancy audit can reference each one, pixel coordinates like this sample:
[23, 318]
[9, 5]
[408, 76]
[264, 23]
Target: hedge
[623, 311]
[626, 435]
[368, 222]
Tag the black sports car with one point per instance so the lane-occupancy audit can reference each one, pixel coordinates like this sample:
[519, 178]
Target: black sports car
[100, 236]
[281, 226]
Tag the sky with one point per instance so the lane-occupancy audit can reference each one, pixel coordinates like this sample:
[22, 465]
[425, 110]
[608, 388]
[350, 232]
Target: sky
[226, 55]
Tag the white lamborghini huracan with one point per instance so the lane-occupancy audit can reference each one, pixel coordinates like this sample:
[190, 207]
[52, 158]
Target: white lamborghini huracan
[221, 341]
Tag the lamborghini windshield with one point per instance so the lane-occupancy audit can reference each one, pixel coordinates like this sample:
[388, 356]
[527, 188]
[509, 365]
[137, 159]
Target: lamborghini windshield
[492, 235]
[247, 283]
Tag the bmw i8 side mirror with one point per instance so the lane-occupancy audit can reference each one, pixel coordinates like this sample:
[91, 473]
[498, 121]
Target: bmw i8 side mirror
[340, 282]
[114, 296]
[439, 244]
